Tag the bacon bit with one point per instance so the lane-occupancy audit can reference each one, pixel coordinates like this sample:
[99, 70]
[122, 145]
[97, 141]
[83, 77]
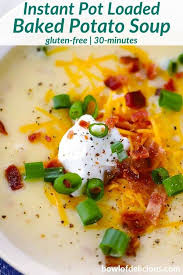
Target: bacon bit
[140, 153]
[126, 60]
[135, 222]
[34, 137]
[135, 100]
[141, 182]
[86, 137]
[70, 134]
[53, 164]
[112, 261]
[139, 116]
[133, 62]
[170, 85]
[116, 82]
[179, 75]
[3, 129]
[84, 124]
[112, 121]
[13, 177]
[133, 246]
[48, 139]
[151, 71]
[134, 67]
[155, 205]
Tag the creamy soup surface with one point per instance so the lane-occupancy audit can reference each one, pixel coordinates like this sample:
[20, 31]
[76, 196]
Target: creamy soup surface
[26, 216]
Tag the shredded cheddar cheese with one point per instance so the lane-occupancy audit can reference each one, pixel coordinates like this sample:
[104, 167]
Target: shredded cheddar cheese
[112, 102]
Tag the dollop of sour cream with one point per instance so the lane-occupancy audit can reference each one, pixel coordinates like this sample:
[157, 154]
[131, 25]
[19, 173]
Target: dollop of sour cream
[87, 155]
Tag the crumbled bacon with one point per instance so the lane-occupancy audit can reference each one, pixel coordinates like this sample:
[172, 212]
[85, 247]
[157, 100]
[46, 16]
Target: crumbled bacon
[112, 121]
[116, 82]
[53, 163]
[70, 134]
[140, 182]
[170, 85]
[13, 177]
[133, 246]
[151, 71]
[34, 137]
[48, 139]
[112, 261]
[135, 222]
[84, 124]
[134, 67]
[3, 129]
[135, 100]
[126, 60]
[132, 62]
[155, 205]
[139, 116]
[140, 153]
[179, 75]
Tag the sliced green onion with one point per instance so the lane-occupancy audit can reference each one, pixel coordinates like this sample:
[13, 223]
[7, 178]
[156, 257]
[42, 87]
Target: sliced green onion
[61, 101]
[89, 212]
[76, 110]
[95, 189]
[173, 185]
[34, 170]
[122, 156]
[67, 183]
[114, 242]
[117, 147]
[99, 130]
[87, 100]
[170, 100]
[180, 58]
[51, 174]
[172, 67]
[159, 175]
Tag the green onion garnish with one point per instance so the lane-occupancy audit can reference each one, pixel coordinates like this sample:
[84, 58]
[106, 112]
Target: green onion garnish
[95, 189]
[173, 185]
[114, 242]
[99, 130]
[87, 100]
[122, 156]
[170, 100]
[89, 212]
[61, 101]
[119, 149]
[67, 183]
[34, 170]
[159, 175]
[180, 58]
[172, 67]
[51, 174]
[76, 110]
